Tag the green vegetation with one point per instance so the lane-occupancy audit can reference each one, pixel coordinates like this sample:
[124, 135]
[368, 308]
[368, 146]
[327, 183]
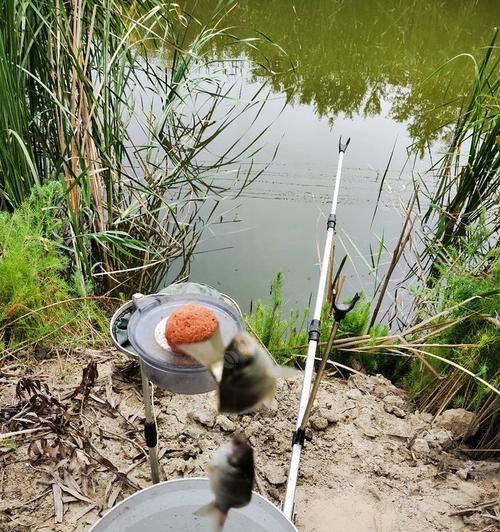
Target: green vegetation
[37, 306]
[448, 354]
[462, 256]
[469, 182]
[286, 338]
[282, 337]
[10, 444]
[468, 274]
[76, 79]
[448, 358]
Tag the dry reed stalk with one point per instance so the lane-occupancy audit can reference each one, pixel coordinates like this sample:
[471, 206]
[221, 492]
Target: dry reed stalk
[404, 237]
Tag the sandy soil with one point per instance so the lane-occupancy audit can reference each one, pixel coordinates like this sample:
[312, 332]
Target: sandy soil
[373, 464]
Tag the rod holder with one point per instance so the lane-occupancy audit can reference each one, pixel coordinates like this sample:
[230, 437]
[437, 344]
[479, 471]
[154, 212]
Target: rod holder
[341, 310]
[300, 436]
[331, 222]
[343, 147]
[314, 330]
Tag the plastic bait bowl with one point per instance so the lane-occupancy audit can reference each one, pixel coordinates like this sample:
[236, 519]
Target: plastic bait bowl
[118, 326]
[169, 370]
[170, 506]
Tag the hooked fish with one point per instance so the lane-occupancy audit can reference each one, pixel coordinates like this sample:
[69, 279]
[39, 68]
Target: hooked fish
[249, 376]
[231, 475]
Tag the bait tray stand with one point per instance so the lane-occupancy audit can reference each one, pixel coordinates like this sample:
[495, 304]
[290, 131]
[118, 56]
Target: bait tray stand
[137, 329]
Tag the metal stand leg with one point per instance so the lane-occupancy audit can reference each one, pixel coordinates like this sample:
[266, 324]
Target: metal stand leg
[150, 430]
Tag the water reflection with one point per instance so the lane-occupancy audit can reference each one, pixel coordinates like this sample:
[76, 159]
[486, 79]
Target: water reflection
[356, 68]
[350, 57]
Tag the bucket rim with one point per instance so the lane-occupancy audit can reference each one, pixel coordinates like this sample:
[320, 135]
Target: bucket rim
[179, 481]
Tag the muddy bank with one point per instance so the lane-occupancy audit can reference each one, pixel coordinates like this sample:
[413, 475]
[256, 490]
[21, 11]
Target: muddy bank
[374, 464]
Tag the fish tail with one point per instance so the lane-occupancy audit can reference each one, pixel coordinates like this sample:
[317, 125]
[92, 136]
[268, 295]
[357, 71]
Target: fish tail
[218, 516]
[283, 371]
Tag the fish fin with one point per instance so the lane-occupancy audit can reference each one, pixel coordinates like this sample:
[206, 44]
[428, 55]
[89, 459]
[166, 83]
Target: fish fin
[217, 370]
[210, 510]
[282, 371]
[209, 353]
[268, 400]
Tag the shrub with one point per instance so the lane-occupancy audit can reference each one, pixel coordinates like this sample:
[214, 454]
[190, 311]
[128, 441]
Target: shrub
[37, 302]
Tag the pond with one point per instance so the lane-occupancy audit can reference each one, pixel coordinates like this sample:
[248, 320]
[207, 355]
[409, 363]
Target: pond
[357, 69]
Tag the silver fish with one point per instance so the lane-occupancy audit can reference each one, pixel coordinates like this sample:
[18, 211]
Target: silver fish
[231, 475]
[249, 376]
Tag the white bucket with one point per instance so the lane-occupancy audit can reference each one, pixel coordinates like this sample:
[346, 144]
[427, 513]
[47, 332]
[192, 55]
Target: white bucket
[170, 506]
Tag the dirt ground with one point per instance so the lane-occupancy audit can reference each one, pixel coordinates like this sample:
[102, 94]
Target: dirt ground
[374, 464]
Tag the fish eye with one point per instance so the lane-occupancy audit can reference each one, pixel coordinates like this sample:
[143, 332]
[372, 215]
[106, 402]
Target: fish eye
[231, 359]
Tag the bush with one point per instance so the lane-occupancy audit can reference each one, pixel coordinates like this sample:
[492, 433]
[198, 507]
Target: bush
[283, 337]
[287, 339]
[37, 302]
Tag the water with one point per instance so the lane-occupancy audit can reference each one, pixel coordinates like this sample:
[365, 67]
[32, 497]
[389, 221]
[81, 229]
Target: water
[356, 69]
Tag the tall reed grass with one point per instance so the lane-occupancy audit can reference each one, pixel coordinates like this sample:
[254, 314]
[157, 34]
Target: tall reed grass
[469, 172]
[77, 78]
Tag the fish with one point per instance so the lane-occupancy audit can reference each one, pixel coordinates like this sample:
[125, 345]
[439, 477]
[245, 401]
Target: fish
[231, 474]
[248, 376]
[209, 353]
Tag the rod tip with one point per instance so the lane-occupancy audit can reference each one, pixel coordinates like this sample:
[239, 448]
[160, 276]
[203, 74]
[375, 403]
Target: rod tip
[343, 147]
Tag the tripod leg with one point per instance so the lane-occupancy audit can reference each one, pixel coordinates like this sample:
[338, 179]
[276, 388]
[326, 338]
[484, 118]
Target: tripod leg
[150, 429]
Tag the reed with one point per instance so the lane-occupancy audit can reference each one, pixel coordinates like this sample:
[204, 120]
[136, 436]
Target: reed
[76, 78]
[469, 172]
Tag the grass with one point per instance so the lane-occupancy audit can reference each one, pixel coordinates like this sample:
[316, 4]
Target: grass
[469, 272]
[286, 337]
[469, 173]
[10, 444]
[37, 306]
[77, 79]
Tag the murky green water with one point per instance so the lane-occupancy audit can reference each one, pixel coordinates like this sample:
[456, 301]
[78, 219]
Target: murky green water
[358, 69]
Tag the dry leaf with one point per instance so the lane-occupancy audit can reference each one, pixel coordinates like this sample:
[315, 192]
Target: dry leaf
[114, 495]
[84, 511]
[58, 503]
[89, 376]
[28, 387]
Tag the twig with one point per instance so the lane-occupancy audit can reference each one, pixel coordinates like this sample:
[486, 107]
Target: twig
[490, 516]
[133, 466]
[27, 503]
[465, 450]
[7, 435]
[119, 437]
[58, 504]
[398, 251]
[473, 509]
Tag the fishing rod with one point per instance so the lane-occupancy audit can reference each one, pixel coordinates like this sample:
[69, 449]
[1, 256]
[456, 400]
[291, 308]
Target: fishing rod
[339, 312]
